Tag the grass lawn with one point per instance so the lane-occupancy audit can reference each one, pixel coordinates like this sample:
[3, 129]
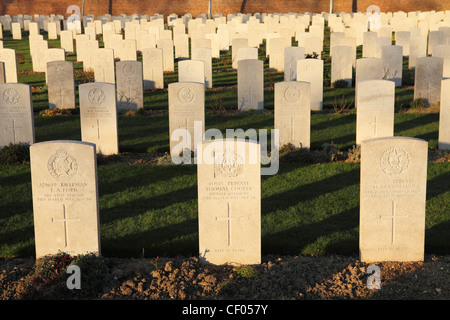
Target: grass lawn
[152, 210]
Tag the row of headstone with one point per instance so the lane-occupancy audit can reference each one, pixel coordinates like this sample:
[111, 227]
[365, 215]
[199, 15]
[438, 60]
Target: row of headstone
[392, 211]
[99, 102]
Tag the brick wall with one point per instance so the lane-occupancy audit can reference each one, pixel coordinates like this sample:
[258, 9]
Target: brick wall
[116, 7]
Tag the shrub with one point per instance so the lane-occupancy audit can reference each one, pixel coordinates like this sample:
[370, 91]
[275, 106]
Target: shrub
[55, 112]
[48, 279]
[45, 281]
[20, 58]
[419, 103]
[313, 55]
[15, 154]
[84, 76]
[340, 84]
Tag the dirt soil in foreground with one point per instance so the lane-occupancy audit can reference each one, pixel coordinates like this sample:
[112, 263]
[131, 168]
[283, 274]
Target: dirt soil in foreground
[277, 277]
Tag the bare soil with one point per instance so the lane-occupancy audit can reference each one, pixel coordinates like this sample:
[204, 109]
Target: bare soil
[276, 278]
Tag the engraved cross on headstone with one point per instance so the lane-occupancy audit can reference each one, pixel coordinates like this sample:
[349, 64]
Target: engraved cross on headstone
[251, 91]
[98, 127]
[13, 129]
[65, 220]
[375, 126]
[393, 216]
[228, 219]
[61, 96]
[187, 127]
[292, 127]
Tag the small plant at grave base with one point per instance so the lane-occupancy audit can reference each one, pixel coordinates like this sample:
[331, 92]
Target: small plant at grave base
[313, 55]
[45, 281]
[107, 159]
[291, 153]
[20, 58]
[84, 76]
[15, 154]
[35, 89]
[218, 107]
[435, 155]
[419, 103]
[354, 155]
[398, 105]
[340, 84]
[330, 152]
[246, 271]
[154, 262]
[166, 159]
[342, 106]
[271, 84]
[133, 113]
[94, 274]
[55, 112]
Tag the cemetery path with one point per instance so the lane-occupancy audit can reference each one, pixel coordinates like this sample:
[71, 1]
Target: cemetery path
[283, 277]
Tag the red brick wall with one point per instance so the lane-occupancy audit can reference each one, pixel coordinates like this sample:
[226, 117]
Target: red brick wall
[116, 7]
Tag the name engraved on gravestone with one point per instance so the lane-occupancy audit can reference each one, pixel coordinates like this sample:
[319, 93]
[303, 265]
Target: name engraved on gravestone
[65, 198]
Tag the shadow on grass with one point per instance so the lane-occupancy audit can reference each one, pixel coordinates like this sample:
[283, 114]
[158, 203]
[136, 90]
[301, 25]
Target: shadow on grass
[415, 122]
[310, 191]
[297, 239]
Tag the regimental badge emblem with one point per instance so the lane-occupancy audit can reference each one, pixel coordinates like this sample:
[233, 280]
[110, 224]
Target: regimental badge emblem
[292, 95]
[394, 161]
[62, 165]
[228, 164]
[96, 96]
[128, 69]
[11, 96]
[185, 95]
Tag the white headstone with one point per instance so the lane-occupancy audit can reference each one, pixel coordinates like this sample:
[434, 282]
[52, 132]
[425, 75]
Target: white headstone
[341, 64]
[311, 70]
[130, 90]
[229, 202]
[250, 84]
[191, 71]
[428, 78]
[153, 69]
[186, 106]
[292, 113]
[392, 199]
[375, 111]
[444, 116]
[204, 54]
[16, 114]
[98, 116]
[61, 85]
[65, 198]
[291, 56]
[8, 57]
